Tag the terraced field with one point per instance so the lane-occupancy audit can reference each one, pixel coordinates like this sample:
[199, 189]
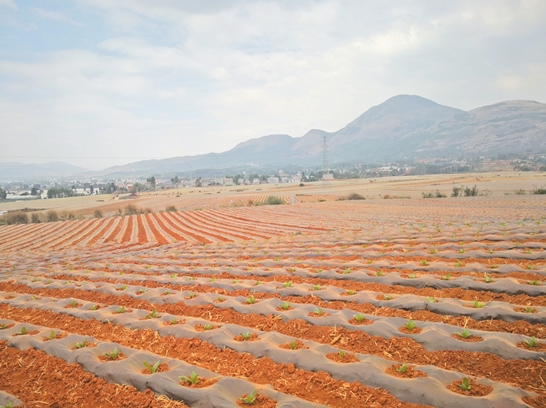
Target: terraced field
[375, 303]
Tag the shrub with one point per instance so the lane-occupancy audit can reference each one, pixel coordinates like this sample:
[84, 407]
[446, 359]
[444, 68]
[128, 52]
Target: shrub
[456, 192]
[98, 214]
[427, 195]
[519, 192]
[272, 200]
[539, 190]
[67, 215]
[355, 196]
[35, 218]
[52, 216]
[171, 208]
[16, 217]
[438, 194]
[131, 210]
[470, 192]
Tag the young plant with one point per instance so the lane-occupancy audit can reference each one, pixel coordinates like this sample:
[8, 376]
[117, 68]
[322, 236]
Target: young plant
[347, 271]
[534, 283]
[250, 399]
[23, 331]
[121, 310]
[73, 303]
[412, 276]
[81, 344]
[112, 355]
[152, 315]
[465, 334]
[531, 343]
[447, 277]
[458, 264]
[319, 311]
[285, 306]
[478, 305]
[294, 345]
[360, 318]
[431, 299]
[403, 368]
[246, 336]
[387, 297]
[316, 287]
[123, 287]
[341, 354]
[191, 295]
[287, 284]
[174, 321]
[151, 368]
[379, 273]
[488, 279]
[465, 384]
[251, 300]
[529, 310]
[410, 325]
[51, 335]
[424, 262]
[351, 292]
[207, 327]
[3, 326]
[192, 379]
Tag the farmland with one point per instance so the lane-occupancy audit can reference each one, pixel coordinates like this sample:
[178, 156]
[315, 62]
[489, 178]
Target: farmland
[377, 303]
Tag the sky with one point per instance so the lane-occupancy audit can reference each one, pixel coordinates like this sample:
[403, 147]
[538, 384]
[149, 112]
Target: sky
[97, 83]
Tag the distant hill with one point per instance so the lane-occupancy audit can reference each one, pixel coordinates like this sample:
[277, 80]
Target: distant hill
[404, 126]
[20, 171]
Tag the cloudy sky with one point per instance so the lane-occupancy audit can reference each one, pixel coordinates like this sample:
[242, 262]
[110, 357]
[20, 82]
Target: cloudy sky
[102, 82]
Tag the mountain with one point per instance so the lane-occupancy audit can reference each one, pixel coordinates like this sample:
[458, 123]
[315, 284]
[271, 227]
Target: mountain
[404, 126]
[20, 171]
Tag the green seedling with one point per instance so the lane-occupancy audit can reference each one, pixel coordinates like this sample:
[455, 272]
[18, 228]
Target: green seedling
[250, 399]
[461, 251]
[192, 379]
[191, 277]
[487, 278]
[191, 295]
[51, 335]
[447, 277]
[410, 325]
[174, 321]
[207, 327]
[530, 267]
[379, 273]
[433, 251]
[251, 300]
[235, 281]
[148, 266]
[387, 297]
[82, 344]
[167, 292]
[8, 405]
[294, 345]
[360, 318]
[347, 271]
[403, 368]
[431, 299]
[458, 264]
[123, 287]
[412, 276]
[465, 384]
[531, 343]
[285, 306]
[529, 310]
[121, 310]
[316, 287]
[246, 336]
[152, 315]
[23, 330]
[465, 334]
[351, 292]
[3, 326]
[319, 311]
[221, 299]
[534, 283]
[212, 279]
[112, 355]
[143, 290]
[370, 261]
[257, 283]
[478, 305]
[151, 368]
[73, 303]
[287, 284]
[173, 275]
[341, 354]
[424, 262]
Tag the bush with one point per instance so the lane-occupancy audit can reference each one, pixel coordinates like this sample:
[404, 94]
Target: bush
[131, 210]
[427, 195]
[146, 210]
[35, 218]
[52, 216]
[519, 192]
[98, 214]
[470, 192]
[457, 191]
[355, 196]
[272, 200]
[67, 215]
[17, 217]
[171, 208]
[539, 190]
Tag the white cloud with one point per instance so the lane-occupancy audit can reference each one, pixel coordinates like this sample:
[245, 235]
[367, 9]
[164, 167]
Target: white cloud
[9, 4]
[54, 16]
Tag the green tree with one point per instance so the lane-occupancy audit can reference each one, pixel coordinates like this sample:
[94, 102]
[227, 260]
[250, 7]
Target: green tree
[151, 180]
[3, 194]
[34, 191]
[175, 180]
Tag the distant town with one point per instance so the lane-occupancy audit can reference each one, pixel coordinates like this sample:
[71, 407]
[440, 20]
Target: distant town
[74, 186]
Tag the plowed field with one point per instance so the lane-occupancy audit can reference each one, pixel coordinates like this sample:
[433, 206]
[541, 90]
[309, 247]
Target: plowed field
[374, 303]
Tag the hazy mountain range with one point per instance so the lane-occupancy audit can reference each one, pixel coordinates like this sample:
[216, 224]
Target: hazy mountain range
[403, 127]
